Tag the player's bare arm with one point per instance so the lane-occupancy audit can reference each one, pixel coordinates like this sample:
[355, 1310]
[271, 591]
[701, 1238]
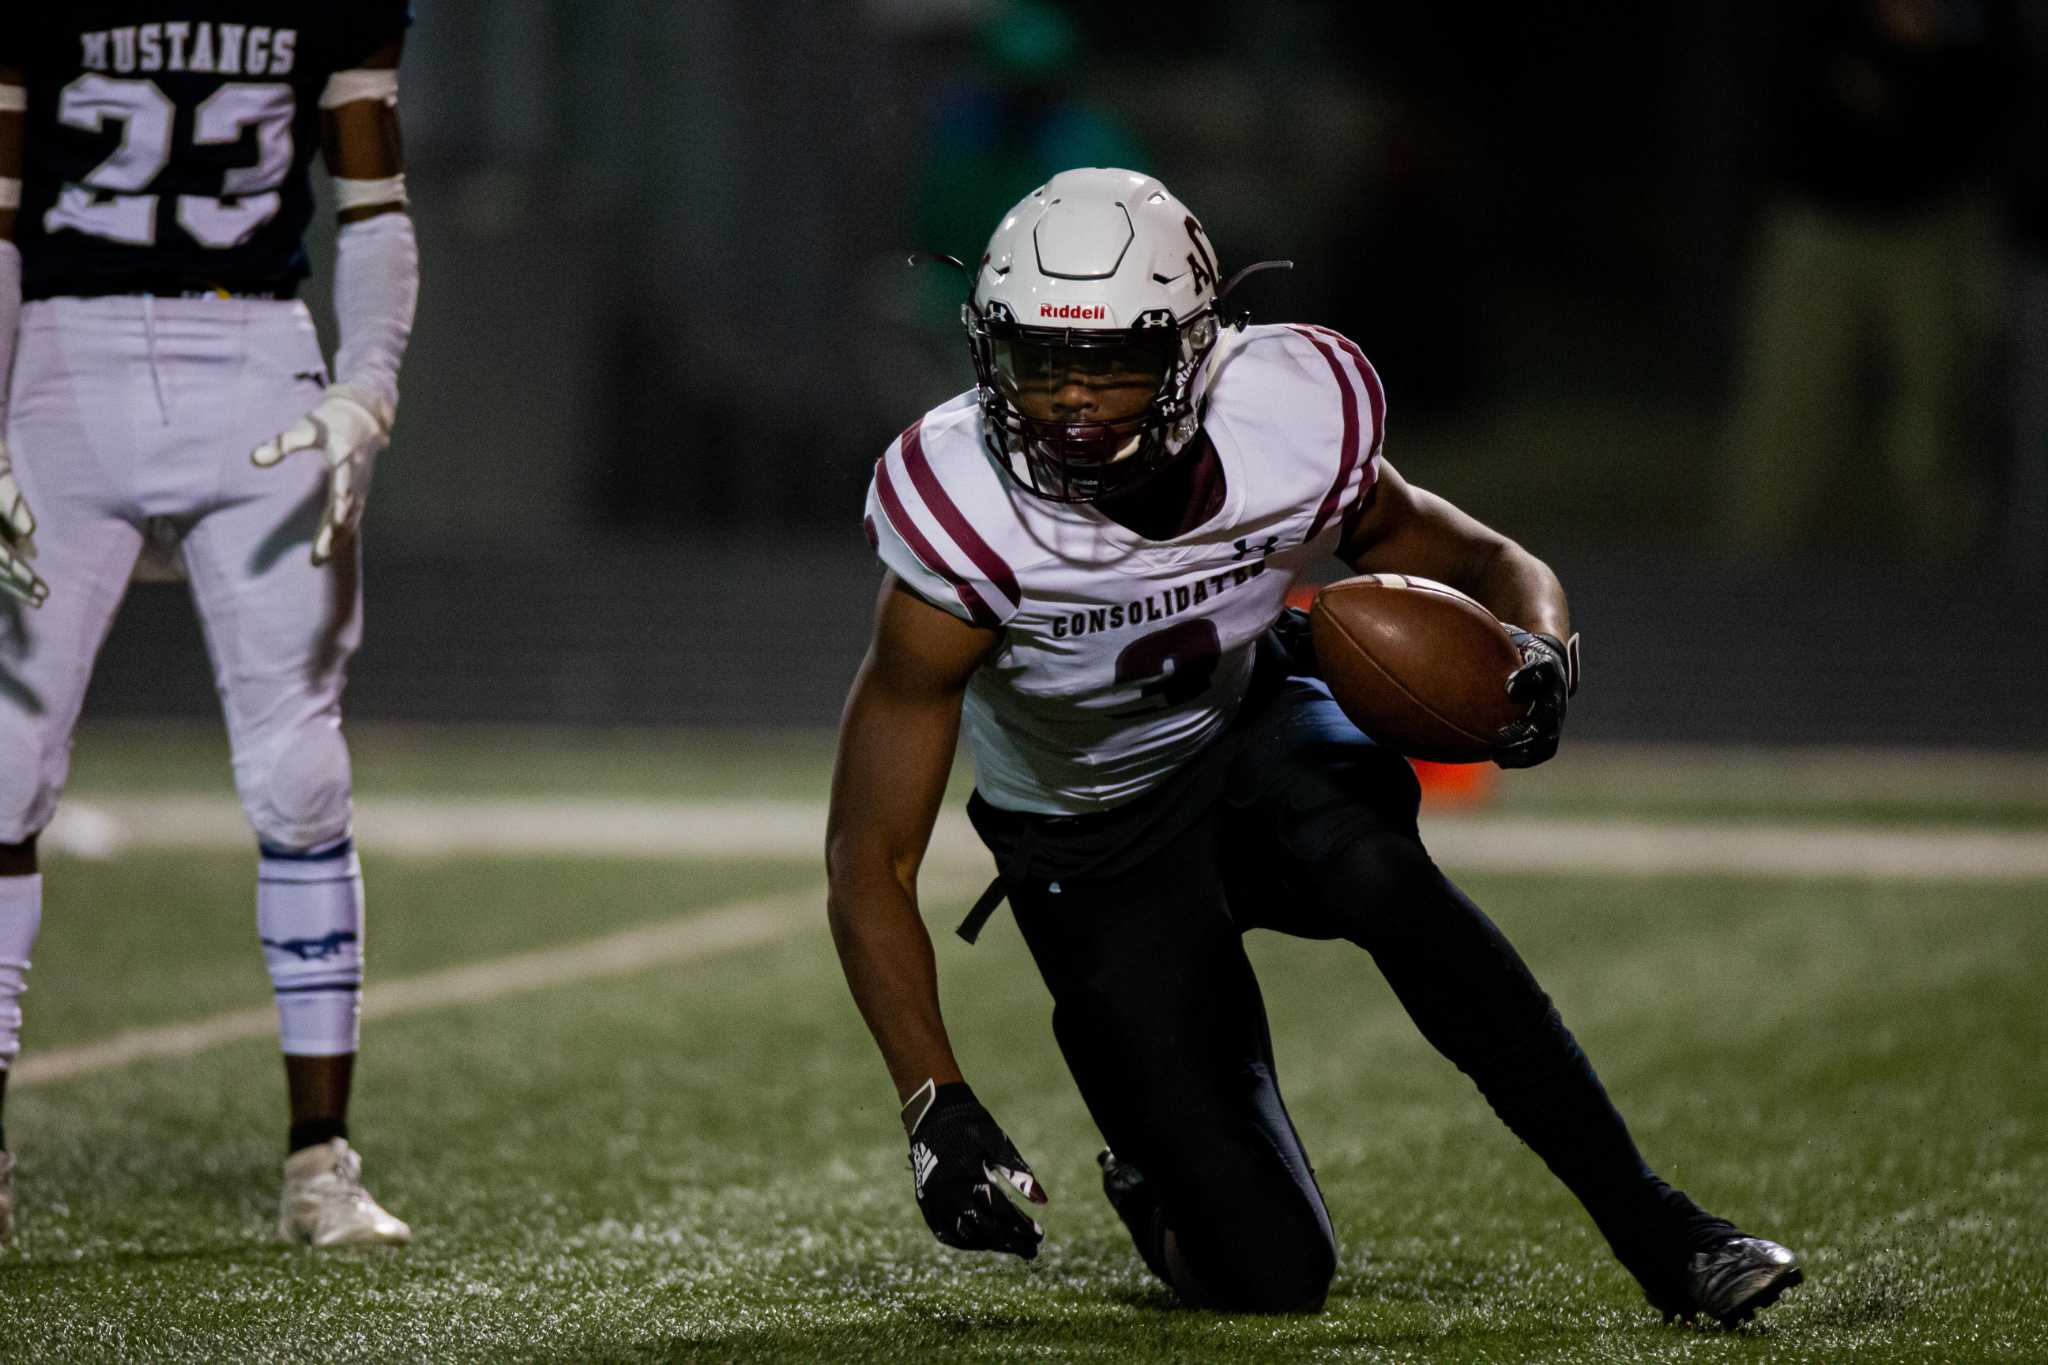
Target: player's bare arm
[896, 745]
[1406, 529]
[17, 523]
[359, 138]
[12, 80]
[376, 287]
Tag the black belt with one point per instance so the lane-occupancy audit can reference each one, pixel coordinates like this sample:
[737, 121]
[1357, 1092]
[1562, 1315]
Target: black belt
[1105, 843]
[1030, 847]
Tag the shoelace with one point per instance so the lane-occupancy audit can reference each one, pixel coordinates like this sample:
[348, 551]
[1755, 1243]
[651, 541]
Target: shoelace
[1724, 1266]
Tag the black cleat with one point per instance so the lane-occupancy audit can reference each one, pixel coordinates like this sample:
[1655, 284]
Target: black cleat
[1124, 1186]
[1732, 1281]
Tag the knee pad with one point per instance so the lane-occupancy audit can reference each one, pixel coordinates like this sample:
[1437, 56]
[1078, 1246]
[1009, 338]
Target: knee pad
[1284, 1266]
[31, 778]
[295, 788]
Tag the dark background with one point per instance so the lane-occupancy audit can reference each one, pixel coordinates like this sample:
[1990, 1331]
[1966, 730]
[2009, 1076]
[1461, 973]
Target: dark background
[666, 329]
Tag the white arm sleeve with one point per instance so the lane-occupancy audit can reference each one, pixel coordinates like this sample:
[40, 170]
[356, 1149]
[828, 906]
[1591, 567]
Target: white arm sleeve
[10, 321]
[376, 287]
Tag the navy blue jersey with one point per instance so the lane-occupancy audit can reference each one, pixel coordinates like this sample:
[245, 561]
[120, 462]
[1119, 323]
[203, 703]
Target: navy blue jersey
[168, 141]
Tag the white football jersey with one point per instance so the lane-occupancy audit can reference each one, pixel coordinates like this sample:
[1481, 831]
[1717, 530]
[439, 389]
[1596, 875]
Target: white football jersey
[1122, 657]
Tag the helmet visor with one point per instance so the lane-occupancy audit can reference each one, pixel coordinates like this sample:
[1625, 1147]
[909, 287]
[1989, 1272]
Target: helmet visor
[1081, 378]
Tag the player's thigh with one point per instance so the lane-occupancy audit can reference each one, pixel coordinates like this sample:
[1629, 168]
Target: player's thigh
[1321, 820]
[1159, 1016]
[62, 434]
[273, 619]
[279, 629]
[1151, 991]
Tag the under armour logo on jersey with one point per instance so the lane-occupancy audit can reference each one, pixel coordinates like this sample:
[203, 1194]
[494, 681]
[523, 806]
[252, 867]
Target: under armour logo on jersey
[923, 1161]
[1247, 548]
[313, 949]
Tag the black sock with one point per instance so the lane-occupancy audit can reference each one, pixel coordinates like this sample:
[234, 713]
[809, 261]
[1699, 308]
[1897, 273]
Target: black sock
[3, 1137]
[313, 1132]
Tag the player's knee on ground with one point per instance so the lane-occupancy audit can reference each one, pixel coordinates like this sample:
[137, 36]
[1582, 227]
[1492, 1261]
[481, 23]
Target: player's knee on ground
[295, 786]
[1281, 1263]
[1209, 1133]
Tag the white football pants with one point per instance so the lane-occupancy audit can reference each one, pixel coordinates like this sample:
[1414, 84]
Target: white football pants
[131, 408]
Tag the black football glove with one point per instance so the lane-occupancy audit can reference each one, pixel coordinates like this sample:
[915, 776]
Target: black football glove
[959, 1160]
[1546, 681]
[1291, 641]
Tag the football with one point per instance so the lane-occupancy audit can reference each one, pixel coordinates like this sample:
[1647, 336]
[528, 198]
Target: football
[1417, 665]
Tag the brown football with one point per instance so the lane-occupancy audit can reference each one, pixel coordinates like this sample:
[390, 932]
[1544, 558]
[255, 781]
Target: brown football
[1417, 665]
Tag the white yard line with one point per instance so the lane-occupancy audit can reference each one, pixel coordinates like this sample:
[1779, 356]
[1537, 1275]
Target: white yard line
[684, 939]
[431, 827]
[1637, 847]
[796, 829]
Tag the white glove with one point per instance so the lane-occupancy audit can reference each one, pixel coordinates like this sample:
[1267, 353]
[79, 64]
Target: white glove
[351, 427]
[17, 524]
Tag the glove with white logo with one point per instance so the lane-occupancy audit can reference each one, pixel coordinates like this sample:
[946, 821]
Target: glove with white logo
[1547, 680]
[17, 524]
[959, 1160]
[350, 428]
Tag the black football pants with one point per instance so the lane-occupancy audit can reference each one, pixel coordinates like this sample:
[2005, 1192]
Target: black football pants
[1160, 1019]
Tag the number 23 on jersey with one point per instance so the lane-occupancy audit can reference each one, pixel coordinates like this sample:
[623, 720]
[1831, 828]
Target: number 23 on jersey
[113, 202]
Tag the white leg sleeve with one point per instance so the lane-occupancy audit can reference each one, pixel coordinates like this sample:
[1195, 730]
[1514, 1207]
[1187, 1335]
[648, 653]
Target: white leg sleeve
[376, 287]
[21, 914]
[309, 915]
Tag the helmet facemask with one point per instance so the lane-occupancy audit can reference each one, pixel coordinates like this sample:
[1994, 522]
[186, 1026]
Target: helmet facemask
[1078, 415]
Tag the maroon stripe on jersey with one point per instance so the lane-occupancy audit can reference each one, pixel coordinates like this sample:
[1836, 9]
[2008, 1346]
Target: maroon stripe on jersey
[899, 520]
[957, 526]
[1350, 455]
[1376, 399]
[977, 609]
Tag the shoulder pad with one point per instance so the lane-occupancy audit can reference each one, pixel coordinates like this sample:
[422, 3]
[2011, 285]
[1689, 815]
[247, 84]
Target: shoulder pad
[933, 508]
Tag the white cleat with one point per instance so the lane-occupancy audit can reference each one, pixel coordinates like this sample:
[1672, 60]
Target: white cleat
[325, 1204]
[6, 1199]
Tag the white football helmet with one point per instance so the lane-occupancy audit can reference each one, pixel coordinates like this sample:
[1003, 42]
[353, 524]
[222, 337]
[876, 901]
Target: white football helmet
[1090, 318]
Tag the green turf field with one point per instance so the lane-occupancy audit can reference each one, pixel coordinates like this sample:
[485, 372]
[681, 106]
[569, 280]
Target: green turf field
[699, 1160]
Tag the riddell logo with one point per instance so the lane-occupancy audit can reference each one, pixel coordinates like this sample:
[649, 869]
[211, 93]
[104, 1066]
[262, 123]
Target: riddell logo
[1074, 312]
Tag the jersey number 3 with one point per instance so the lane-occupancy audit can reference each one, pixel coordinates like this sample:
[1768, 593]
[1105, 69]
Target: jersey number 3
[108, 203]
[1171, 666]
